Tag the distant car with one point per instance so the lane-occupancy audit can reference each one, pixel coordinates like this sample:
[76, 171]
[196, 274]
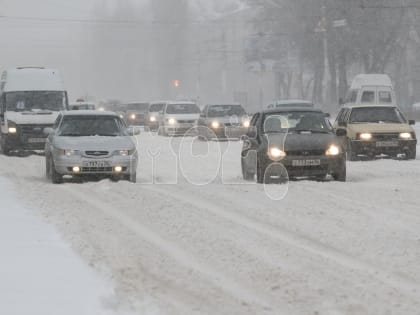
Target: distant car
[292, 103]
[222, 122]
[178, 118]
[135, 113]
[82, 106]
[297, 140]
[87, 143]
[153, 115]
[376, 130]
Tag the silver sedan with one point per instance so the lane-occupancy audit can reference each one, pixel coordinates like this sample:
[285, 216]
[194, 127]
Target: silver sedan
[88, 143]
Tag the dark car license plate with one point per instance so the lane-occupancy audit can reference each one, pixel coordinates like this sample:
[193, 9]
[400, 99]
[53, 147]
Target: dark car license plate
[306, 162]
[387, 144]
[37, 140]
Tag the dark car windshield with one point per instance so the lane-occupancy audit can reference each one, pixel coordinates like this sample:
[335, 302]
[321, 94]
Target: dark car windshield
[182, 109]
[296, 122]
[84, 126]
[225, 110]
[35, 100]
[376, 115]
[155, 108]
[141, 107]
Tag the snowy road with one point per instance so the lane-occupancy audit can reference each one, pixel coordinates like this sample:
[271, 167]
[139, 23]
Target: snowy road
[175, 247]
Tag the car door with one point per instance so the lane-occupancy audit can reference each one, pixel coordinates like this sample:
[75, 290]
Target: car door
[49, 140]
[250, 144]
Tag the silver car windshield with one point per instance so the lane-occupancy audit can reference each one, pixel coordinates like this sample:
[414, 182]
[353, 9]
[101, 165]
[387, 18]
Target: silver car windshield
[85, 126]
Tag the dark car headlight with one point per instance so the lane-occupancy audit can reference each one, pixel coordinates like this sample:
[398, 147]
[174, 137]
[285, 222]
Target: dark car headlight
[12, 128]
[333, 150]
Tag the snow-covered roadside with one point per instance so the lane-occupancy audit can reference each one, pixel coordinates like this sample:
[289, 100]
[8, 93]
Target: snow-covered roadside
[39, 273]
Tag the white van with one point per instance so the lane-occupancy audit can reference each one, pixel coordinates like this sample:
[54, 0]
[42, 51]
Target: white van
[371, 89]
[30, 100]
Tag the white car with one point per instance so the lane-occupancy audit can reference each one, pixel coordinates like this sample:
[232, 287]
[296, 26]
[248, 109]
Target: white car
[178, 118]
[90, 143]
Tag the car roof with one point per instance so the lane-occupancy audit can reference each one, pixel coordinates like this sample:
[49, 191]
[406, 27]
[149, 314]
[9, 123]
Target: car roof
[290, 109]
[89, 113]
[225, 104]
[351, 106]
[181, 103]
[291, 101]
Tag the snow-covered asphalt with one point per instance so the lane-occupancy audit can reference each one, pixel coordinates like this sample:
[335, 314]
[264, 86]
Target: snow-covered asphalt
[191, 237]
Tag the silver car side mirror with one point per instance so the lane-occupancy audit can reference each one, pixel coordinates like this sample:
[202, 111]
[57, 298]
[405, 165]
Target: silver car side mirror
[132, 131]
[49, 131]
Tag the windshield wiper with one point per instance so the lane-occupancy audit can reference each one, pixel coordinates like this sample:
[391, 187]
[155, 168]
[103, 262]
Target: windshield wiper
[311, 131]
[71, 135]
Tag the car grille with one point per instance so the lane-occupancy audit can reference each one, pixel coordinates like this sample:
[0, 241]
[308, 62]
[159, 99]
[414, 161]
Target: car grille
[386, 136]
[33, 130]
[232, 125]
[96, 169]
[306, 152]
[186, 121]
[97, 153]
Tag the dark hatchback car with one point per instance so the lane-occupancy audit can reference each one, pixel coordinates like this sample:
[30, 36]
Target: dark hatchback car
[291, 143]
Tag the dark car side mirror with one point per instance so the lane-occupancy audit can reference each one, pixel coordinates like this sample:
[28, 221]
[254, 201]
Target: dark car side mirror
[341, 132]
[411, 122]
[252, 133]
[342, 124]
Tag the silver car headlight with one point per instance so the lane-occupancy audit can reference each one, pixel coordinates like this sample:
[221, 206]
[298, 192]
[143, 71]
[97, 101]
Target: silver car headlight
[124, 152]
[71, 152]
[276, 154]
[246, 123]
[171, 121]
[152, 119]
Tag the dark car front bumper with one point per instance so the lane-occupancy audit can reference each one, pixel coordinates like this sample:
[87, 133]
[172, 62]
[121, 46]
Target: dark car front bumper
[27, 138]
[307, 166]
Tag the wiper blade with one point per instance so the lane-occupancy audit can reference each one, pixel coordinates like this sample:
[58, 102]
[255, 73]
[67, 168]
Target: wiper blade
[311, 131]
[70, 135]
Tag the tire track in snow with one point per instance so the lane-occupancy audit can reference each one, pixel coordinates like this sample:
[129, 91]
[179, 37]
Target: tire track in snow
[409, 286]
[183, 258]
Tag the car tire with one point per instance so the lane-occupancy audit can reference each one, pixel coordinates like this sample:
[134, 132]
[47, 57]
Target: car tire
[56, 178]
[245, 174]
[132, 178]
[4, 147]
[261, 178]
[47, 167]
[341, 174]
[350, 154]
[411, 154]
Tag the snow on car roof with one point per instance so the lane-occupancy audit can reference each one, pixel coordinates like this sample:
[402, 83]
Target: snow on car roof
[291, 109]
[368, 105]
[89, 113]
[362, 80]
[32, 79]
[292, 101]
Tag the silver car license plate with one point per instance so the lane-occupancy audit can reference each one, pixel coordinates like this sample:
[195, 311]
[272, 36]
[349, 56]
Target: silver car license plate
[387, 144]
[306, 162]
[37, 140]
[96, 164]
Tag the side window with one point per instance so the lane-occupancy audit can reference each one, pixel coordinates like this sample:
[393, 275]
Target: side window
[253, 124]
[368, 97]
[351, 97]
[346, 115]
[385, 97]
[339, 118]
[57, 121]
